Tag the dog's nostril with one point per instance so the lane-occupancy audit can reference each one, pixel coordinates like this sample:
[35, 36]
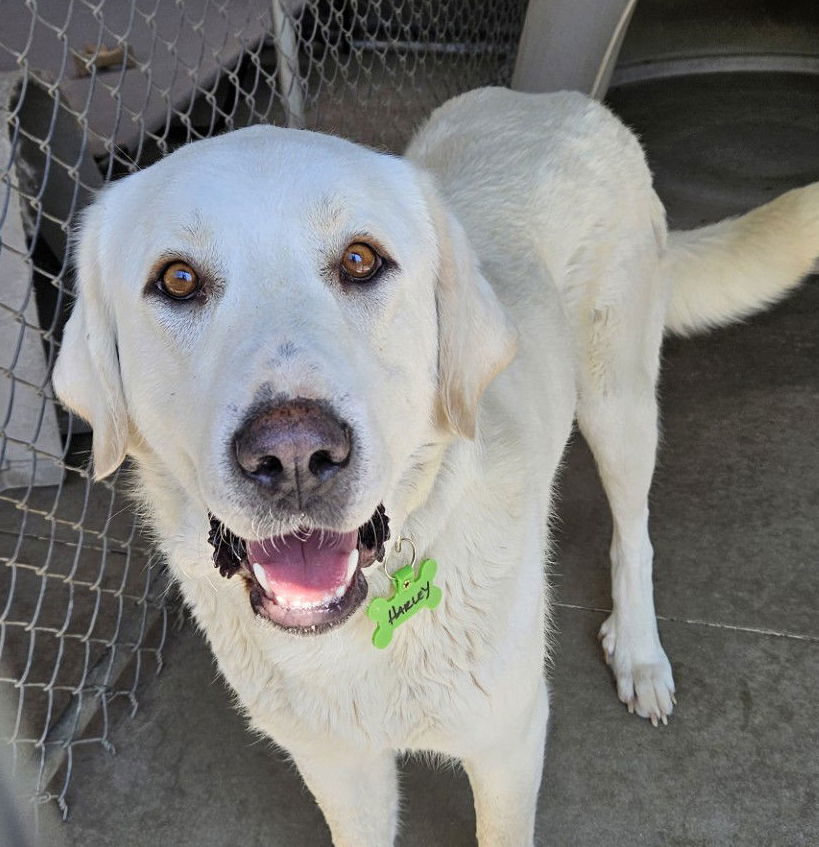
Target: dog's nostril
[321, 464]
[269, 466]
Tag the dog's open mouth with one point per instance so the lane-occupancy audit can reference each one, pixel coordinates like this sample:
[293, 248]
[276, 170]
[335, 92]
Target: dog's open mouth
[306, 581]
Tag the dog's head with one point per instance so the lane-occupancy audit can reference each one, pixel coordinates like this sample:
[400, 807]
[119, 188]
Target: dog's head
[284, 323]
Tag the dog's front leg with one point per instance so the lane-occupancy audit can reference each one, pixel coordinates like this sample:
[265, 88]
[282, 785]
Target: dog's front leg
[356, 789]
[505, 774]
[617, 413]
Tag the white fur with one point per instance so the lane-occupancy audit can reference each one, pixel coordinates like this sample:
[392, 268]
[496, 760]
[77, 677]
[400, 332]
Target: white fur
[727, 271]
[552, 194]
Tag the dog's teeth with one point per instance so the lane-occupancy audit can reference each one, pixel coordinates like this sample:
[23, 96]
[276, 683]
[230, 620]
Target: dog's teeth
[302, 604]
[261, 576]
[352, 564]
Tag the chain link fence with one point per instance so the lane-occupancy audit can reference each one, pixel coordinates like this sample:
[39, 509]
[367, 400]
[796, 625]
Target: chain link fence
[91, 90]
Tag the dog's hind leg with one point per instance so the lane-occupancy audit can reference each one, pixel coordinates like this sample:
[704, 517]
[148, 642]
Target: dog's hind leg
[618, 361]
[356, 790]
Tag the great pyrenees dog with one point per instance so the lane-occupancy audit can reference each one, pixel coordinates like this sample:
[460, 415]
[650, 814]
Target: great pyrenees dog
[331, 366]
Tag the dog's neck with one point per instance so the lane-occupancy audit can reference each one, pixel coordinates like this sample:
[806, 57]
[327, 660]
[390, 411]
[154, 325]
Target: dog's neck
[428, 493]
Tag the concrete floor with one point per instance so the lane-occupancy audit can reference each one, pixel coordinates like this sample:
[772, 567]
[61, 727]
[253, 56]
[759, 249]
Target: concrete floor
[734, 526]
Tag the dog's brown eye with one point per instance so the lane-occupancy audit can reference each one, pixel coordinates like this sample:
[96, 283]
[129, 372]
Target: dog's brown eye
[179, 280]
[360, 262]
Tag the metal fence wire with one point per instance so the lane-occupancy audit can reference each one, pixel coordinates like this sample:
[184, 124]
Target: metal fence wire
[91, 90]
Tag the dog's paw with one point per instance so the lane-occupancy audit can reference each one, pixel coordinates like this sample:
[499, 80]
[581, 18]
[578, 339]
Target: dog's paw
[641, 669]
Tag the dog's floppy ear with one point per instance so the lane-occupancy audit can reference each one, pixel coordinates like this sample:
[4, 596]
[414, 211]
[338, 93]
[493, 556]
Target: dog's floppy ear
[86, 376]
[475, 338]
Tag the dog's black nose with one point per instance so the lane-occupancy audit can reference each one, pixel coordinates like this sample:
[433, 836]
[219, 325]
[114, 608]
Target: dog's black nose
[298, 443]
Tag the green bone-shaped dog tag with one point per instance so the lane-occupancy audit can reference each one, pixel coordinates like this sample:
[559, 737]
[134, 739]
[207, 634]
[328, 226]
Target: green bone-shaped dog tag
[411, 594]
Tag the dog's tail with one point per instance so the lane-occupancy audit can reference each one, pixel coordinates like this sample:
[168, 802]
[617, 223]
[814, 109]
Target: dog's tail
[729, 270]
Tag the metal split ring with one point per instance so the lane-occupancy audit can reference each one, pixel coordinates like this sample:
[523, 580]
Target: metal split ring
[397, 548]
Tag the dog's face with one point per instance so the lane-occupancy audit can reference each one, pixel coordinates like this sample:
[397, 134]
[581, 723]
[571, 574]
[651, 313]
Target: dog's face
[284, 322]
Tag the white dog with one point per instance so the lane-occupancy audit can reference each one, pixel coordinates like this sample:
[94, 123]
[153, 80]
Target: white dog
[307, 346]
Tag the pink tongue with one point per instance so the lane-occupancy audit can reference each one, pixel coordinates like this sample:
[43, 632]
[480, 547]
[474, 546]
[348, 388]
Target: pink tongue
[305, 568]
